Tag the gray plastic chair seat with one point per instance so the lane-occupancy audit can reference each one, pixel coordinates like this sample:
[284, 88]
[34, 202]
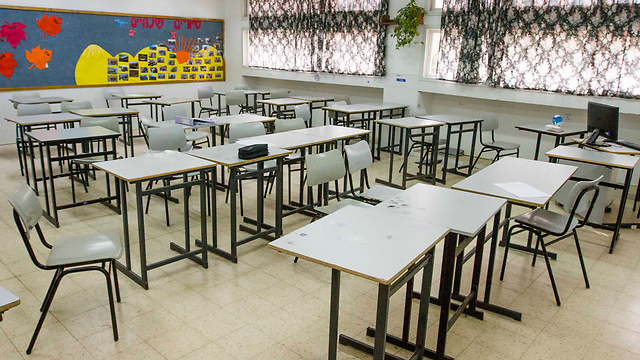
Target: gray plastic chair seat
[546, 220]
[293, 156]
[504, 145]
[195, 135]
[337, 205]
[85, 248]
[254, 167]
[89, 160]
[380, 192]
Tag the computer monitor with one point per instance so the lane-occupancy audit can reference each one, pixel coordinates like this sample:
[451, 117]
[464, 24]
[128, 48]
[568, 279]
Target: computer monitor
[604, 118]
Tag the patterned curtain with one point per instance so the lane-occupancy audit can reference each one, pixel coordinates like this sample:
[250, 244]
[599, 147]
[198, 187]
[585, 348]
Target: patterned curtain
[584, 47]
[333, 36]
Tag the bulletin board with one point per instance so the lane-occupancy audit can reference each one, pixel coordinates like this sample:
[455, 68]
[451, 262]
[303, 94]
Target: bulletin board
[52, 48]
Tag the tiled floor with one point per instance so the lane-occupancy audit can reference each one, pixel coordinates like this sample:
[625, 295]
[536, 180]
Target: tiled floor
[267, 307]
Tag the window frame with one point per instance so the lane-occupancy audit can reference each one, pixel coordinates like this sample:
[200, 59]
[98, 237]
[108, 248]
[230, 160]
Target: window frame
[428, 53]
[245, 46]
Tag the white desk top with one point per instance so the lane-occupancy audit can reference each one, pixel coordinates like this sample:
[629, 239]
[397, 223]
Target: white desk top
[241, 119]
[363, 242]
[463, 212]
[167, 123]
[332, 132]
[42, 100]
[137, 96]
[544, 176]
[43, 119]
[568, 129]
[246, 92]
[76, 134]
[283, 102]
[102, 112]
[7, 300]
[361, 108]
[170, 101]
[152, 165]
[612, 149]
[410, 122]
[286, 140]
[227, 155]
[312, 98]
[593, 157]
[450, 119]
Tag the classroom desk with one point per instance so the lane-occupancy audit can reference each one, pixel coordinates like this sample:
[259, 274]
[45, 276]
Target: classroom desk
[263, 94]
[7, 301]
[322, 100]
[467, 215]
[154, 166]
[127, 126]
[281, 105]
[227, 156]
[406, 126]
[169, 102]
[544, 176]
[460, 122]
[568, 129]
[615, 161]
[41, 100]
[25, 123]
[45, 139]
[124, 99]
[377, 246]
[369, 112]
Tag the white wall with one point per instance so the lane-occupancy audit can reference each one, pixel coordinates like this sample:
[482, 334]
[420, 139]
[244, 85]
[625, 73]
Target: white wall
[196, 8]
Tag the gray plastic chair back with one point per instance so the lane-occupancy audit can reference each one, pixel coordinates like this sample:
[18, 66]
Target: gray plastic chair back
[170, 112]
[109, 123]
[325, 167]
[576, 190]
[302, 111]
[345, 98]
[76, 105]
[235, 97]
[490, 123]
[107, 93]
[23, 96]
[358, 156]
[27, 205]
[332, 114]
[167, 138]
[283, 125]
[240, 131]
[205, 92]
[242, 87]
[279, 94]
[35, 109]
[420, 112]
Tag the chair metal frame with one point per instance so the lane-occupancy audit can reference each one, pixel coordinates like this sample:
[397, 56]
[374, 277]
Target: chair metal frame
[488, 147]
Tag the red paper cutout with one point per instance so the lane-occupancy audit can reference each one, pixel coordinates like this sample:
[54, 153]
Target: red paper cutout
[38, 57]
[14, 33]
[7, 64]
[183, 49]
[50, 25]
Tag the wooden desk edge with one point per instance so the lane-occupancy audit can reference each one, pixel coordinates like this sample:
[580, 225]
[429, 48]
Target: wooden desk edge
[9, 306]
[250, 161]
[211, 165]
[589, 161]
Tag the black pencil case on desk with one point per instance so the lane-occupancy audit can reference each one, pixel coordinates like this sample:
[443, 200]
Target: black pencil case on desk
[253, 151]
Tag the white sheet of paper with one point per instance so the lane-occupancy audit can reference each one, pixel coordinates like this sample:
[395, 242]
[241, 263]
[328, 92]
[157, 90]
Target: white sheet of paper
[522, 190]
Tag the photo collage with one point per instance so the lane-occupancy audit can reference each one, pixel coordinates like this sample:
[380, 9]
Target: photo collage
[158, 63]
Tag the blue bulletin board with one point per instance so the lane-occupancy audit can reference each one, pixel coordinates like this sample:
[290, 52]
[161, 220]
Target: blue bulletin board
[53, 48]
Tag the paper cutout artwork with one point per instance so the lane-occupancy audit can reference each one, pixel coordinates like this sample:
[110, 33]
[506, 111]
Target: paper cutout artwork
[7, 64]
[50, 25]
[14, 33]
[121, 22]
[38, 57]
[154, 63]
[183, 49]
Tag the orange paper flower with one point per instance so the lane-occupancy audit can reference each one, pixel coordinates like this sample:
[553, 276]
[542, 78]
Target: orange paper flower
[7, 64]
[50, 25]
[38, 57]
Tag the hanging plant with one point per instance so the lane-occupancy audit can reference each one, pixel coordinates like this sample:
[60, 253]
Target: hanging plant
[408, 19]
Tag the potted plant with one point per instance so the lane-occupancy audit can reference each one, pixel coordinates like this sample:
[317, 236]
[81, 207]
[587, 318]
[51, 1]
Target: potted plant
[407, 19]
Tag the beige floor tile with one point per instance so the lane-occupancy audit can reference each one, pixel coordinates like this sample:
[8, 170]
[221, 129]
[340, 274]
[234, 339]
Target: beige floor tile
[251, 309]
[211, 351]
[478, 352]
[280, 293]
[178, 342]
[279, 325]
[245, 342]
[153, 323]
[600, 350]
[278, 352]
[102, 345]
[504, 341]
[256, 280]
[310, 342]
[217, 324]
[141, 351]
[225, 293]
[620, 337]
[89, 322]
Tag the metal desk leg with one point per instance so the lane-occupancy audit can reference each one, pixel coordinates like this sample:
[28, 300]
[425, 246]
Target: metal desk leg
[233, 190]
[193, 109]
[33, 166]
[279, 197]
[54, 205]
[473, 146]
[623, 202]
[130, 128]
[434, 153]
[382, 318]
[535, 154]
[335, 310]
[446, 281]
[405, 172]
[141, 236]
[423, 313]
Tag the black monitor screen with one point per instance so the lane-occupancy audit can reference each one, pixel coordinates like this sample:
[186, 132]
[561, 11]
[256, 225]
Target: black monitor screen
[604, 118]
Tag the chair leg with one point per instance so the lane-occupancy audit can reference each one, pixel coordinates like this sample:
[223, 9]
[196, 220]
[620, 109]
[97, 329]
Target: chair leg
[146, 210]
[506, 252]
[166, 202]
[47, 303]
[477, 158]
[584, 269]
[50, 288]
[114, 324]
[241, 201]
[535, 254]
[553, 281]
[115, 279]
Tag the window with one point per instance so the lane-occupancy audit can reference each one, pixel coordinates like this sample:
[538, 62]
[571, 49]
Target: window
[436, 4]
[245, 47]
[431, 53]
[245, 8]
[334, 36]
[581, 47]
